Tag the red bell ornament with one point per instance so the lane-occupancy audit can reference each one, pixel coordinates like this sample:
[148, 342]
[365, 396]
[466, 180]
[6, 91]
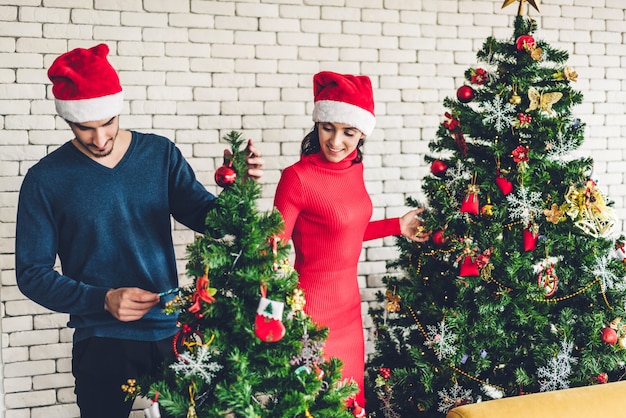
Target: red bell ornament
[470, 201]
[470, 204]
[465, 94]
[438, 168]
[469, 267]
[225, 175]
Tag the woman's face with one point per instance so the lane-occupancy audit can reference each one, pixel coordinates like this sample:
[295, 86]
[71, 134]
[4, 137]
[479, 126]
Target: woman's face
[338, 140]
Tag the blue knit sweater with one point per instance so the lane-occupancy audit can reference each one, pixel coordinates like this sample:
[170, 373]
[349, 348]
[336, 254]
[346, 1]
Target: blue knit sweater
[110, 227]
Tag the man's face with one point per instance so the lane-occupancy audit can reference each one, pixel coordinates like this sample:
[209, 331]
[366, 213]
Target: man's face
[96, 137]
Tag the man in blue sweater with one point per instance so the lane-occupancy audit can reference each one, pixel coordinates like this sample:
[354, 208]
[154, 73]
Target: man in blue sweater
[103, 203]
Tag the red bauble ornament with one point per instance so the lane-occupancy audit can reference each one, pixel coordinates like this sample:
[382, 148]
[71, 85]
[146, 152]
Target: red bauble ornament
[465, 94]
[438, 168]
[503, 184]
[470, 204]
[524, 41]
[225, 175]
[609, 335]
[439, 239]
[601, 378]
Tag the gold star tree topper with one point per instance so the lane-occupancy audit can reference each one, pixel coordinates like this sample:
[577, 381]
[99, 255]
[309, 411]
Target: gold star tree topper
[520, 10]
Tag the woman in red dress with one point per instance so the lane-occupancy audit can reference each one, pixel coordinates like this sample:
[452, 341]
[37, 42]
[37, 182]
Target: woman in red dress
[327, 211]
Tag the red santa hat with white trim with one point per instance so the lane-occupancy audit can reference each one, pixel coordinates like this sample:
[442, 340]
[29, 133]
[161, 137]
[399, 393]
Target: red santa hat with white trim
[344, 98]
[85, 85]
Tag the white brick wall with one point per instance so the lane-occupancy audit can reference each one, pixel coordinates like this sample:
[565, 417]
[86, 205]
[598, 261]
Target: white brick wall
[195, 70]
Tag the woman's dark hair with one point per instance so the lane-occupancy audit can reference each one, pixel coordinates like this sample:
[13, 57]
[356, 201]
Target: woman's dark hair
[311, 144]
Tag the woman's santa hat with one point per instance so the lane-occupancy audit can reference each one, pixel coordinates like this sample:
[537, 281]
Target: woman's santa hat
[344, 98]
[85, 85]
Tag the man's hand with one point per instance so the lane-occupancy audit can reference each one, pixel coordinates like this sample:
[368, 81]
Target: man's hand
[129, 303]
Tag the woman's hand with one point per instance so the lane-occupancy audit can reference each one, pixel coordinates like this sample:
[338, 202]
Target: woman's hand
[254, 160]
[412, 226]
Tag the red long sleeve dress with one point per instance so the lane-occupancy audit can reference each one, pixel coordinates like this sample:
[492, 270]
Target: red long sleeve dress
[327, 211]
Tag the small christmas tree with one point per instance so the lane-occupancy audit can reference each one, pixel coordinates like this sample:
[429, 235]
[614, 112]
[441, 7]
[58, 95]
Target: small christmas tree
[236, 354]
[521, 288]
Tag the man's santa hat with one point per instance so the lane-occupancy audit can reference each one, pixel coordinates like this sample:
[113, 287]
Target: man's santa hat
[344, 98]
[85, 85]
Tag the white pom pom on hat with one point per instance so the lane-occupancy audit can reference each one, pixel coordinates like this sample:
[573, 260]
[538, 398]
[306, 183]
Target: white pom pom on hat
[85, 85]
[344, 98]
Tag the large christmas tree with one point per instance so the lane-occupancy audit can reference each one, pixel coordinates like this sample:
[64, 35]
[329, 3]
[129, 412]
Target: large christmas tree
[521, 288]
[245, 346]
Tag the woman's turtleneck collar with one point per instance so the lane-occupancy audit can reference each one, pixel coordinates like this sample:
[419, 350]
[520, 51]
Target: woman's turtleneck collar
[320, 160]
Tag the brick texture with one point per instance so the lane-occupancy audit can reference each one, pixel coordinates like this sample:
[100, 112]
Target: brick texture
[195, 70]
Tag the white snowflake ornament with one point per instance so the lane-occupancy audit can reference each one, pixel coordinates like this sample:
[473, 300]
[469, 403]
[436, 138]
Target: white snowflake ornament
[555, 374]
[197, 365]
[456, 396]
[441, 340]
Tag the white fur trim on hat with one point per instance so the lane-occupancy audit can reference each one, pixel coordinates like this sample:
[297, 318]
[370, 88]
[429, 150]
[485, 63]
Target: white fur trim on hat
[87, 110]
[341, 112]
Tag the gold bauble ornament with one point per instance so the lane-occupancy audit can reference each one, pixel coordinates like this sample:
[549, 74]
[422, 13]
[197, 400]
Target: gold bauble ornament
[515, 99]
[487, 210]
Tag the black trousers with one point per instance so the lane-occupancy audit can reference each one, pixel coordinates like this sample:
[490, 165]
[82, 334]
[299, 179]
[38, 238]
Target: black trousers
[102, 365]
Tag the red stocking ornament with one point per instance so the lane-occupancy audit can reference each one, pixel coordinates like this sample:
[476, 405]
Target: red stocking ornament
[530, 235]
[268, 325]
